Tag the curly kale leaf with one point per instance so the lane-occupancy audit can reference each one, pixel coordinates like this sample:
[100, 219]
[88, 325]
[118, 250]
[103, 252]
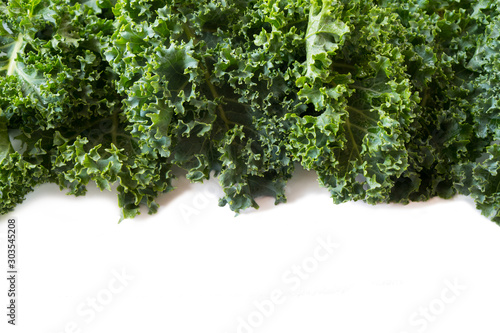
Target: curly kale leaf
[359, 99]
[458, 112]
[205, 87]
[385, 101]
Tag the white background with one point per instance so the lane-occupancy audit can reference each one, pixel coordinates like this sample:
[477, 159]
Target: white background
[194, 267]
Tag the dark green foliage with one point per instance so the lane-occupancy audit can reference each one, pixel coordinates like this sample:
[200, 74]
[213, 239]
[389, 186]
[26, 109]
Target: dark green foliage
[387, 102]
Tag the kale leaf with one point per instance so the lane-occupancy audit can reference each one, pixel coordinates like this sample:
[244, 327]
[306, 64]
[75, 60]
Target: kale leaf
[386, 102]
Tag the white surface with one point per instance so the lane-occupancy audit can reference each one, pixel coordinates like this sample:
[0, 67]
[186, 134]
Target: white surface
[194, 267]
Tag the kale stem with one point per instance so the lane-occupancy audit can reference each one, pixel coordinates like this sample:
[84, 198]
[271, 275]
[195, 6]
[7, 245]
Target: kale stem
[361, 112]
[348, 123]
[296, 22]
[363, 88]
[213, 91]
[5, 144]
[114, 128]
[425, 98]
[12, 59]
[337, 64]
